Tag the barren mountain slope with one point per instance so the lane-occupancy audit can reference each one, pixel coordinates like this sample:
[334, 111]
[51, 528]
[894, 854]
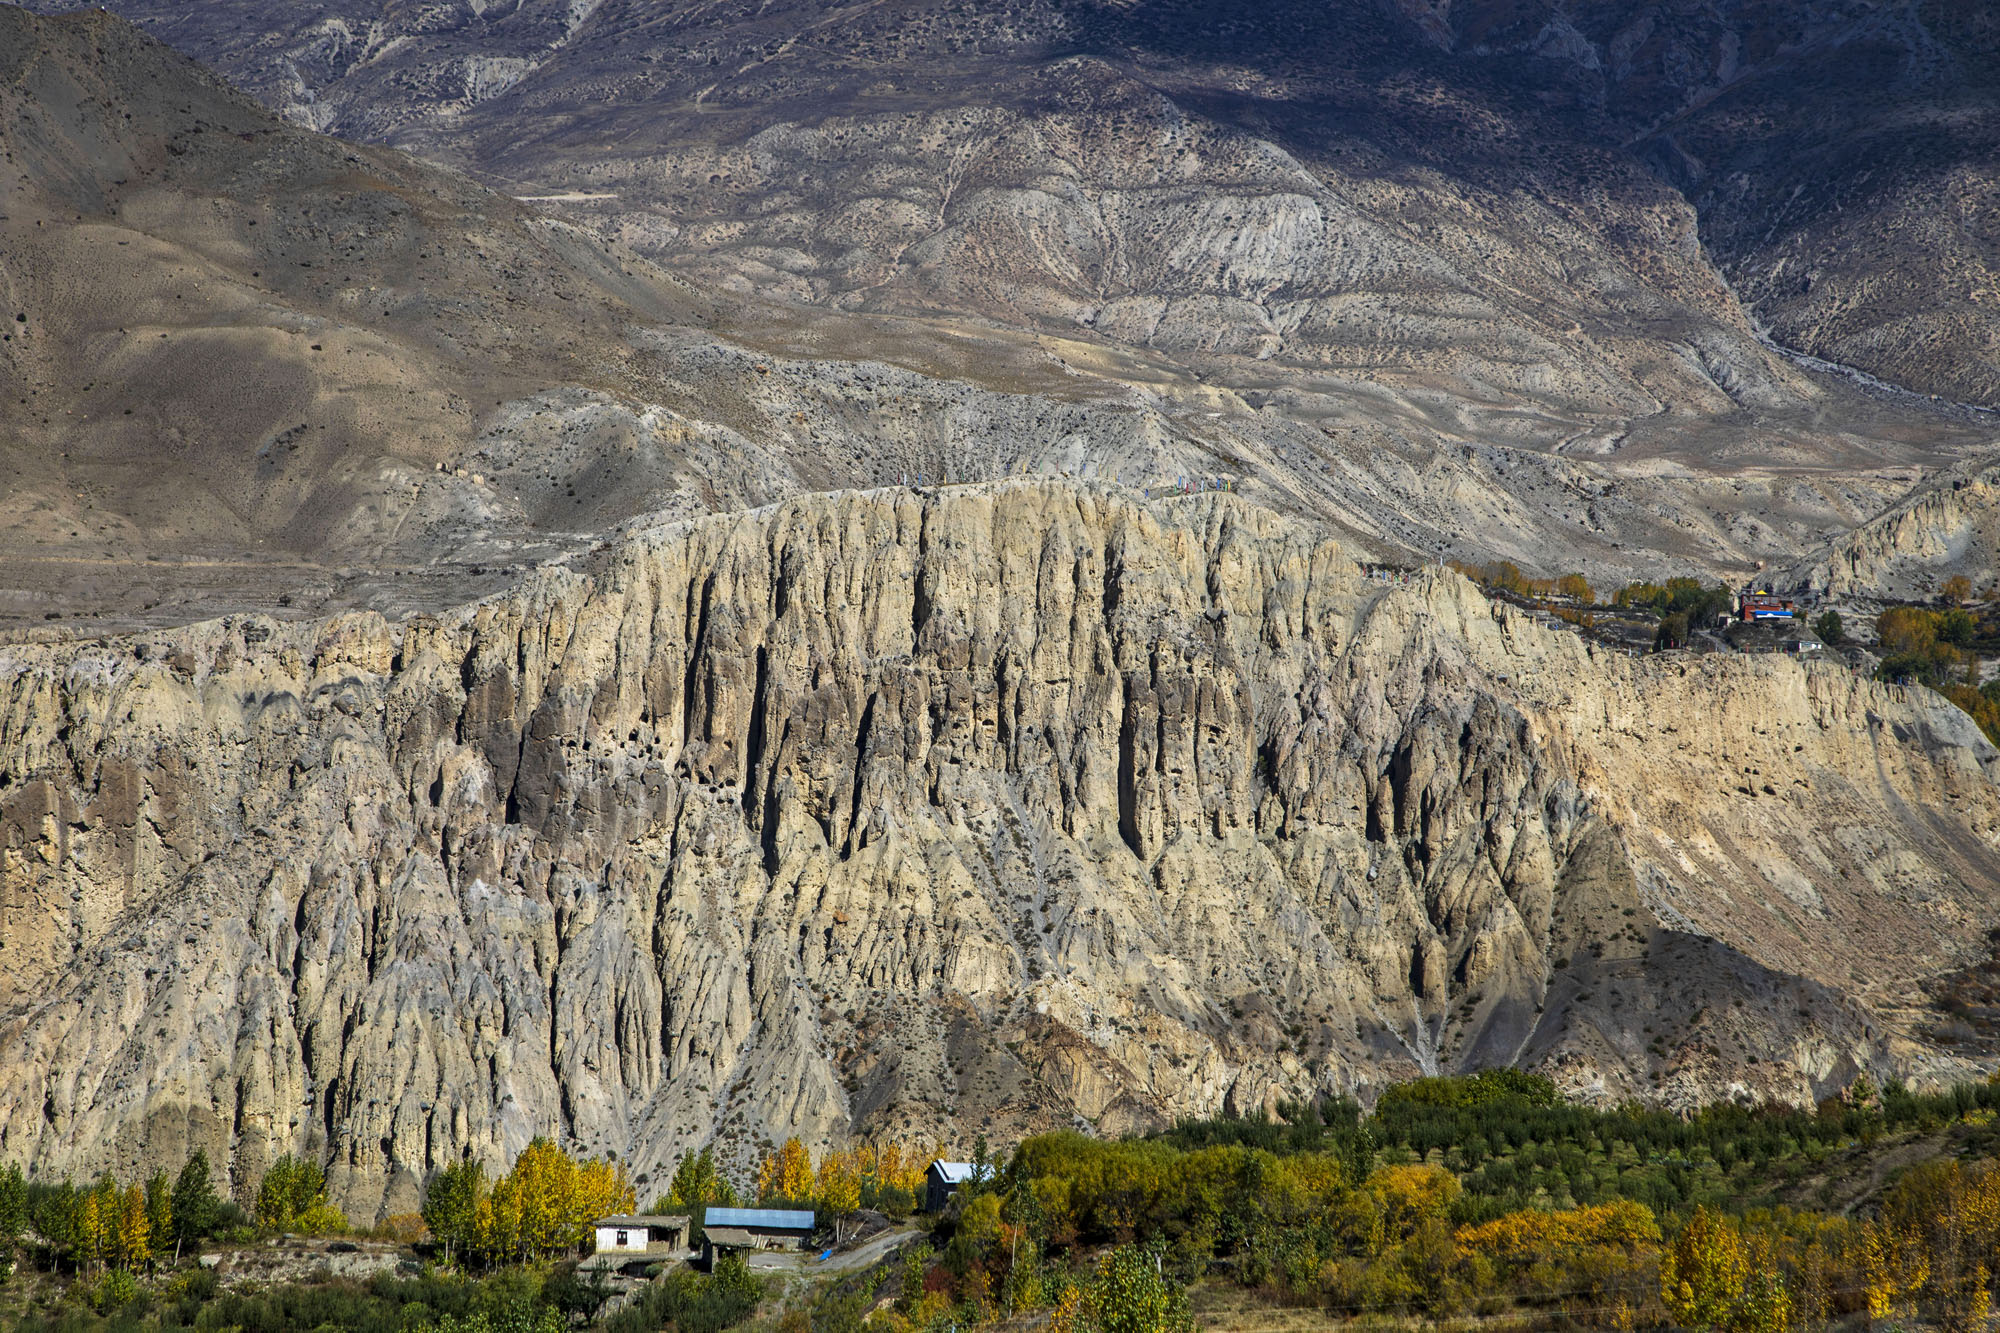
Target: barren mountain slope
[1949, 525]
[1843, 155]
[246, 350]
[1425, 277]
[1014, 806]
[1297, 185]
[1477, 169]
[241, 350]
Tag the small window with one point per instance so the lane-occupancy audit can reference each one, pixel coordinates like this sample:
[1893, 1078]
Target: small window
[621, 1240]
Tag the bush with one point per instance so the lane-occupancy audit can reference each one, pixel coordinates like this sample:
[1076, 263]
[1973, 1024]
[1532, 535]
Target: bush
[321, 1220]
[693, 1303]
[401, 1229]
[115, 1290]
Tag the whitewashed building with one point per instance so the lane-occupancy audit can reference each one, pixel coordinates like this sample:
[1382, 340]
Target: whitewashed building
[642, 1233]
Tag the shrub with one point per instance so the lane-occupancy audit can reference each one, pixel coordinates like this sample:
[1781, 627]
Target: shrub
[321, 1220]
[115, 1290]
[401, 1229]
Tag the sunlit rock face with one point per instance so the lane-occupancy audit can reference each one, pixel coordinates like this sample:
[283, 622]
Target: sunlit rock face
[900, 815]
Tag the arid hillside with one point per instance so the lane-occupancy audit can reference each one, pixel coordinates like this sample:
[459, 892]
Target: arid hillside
[1381, 276]
[1843, 156]
[1016, 806]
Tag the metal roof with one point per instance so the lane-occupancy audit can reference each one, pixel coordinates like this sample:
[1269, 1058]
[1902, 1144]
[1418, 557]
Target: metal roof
[957, 1173]
[782, 1219]
[642, 1220]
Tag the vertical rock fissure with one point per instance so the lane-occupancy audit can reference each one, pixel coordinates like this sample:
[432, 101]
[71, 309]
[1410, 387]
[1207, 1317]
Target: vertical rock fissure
[860, 772]
[753, 749]
[564, 1117]
[1128, 789]
[695, 649]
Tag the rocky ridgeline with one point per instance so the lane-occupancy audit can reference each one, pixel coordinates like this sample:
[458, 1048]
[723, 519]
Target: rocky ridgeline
[1949, 525]
[913, 815]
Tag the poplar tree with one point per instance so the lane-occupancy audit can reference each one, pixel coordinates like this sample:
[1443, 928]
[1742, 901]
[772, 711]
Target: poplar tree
[194, 1207]
[159, 1204]
[451, 1205]
[13, 1209]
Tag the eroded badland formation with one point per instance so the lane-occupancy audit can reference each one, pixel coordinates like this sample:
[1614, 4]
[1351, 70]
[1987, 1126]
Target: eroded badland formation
[469, 667]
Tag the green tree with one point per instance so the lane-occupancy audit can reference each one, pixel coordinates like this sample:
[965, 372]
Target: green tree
[194, 1207]
[1641, 595]
[13, 1209]
[1956, 626]
[451, 1205]
[292, 1188]
[1827, 625]
[57, 1212]
[159, 1210]
[695, 1181]
[1130, 1293]
[696, 1186]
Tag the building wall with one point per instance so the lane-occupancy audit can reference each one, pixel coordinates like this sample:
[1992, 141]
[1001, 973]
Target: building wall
[639, 1239]
[636, 1238]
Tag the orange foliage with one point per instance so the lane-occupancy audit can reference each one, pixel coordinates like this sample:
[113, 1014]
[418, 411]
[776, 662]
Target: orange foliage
[1520, 1239]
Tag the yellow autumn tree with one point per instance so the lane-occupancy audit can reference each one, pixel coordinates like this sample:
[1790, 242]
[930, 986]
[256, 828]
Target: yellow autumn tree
[1930, 1253]
[1069, 1315]
[1394, 1202]
[1702, 1274]
[1575, 585]
[1305, 1184]
[1519, 1240]
[131, 1232]
[902, 1169]
[838, 1184]
[602, 1187]
[546, 1204]
[889, 1165]
[1897, 1268]
[97, 1222]
[787, 1175]
[535, 1196]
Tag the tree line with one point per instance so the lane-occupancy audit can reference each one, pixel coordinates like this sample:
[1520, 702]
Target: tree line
[888, 1179]
[1625, 1217]
[1454, 1197]
[1933, 647]
[131, 1226]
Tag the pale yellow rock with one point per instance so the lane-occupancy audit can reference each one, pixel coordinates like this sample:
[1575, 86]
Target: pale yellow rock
[1013, 806]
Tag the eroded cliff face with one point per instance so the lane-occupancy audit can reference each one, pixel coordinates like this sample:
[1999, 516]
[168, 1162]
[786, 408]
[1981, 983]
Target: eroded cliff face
[1949, 525]
[914, 815]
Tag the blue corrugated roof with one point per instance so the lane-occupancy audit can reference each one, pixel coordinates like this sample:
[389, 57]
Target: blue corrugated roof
[801, 1220]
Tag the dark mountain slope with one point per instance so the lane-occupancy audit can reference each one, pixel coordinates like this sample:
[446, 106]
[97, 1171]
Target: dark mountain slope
[1844, 156]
